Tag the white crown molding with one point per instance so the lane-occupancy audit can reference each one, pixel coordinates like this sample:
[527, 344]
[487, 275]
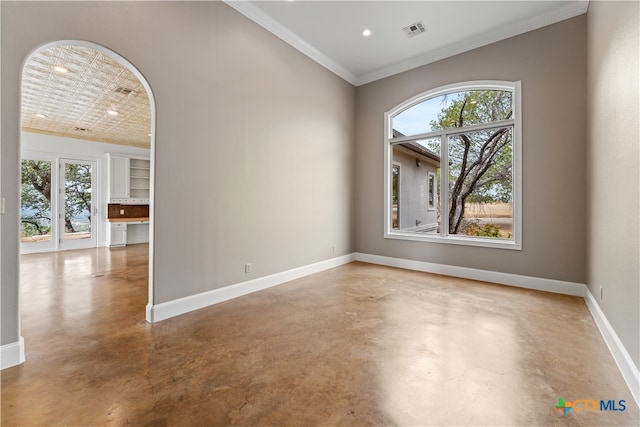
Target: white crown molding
[261, 18]
[568, 11]
[258, 16]
[627, 368]
[12, 354]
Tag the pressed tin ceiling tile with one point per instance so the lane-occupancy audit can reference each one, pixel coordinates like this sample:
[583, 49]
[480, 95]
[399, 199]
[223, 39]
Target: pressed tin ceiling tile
[75, 103]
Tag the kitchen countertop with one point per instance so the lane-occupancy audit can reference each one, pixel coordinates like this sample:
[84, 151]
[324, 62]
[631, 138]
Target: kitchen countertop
[139, 219]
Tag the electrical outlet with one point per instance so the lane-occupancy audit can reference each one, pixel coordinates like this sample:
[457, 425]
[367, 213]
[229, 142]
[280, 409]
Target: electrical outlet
[601, 292]
[248, 268]
[333, 249]
[121, 211]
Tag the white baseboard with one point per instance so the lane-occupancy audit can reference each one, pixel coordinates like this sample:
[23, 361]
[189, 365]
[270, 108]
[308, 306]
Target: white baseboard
[528, 282]
[627, 368]
[12, 354]
[159, 312]
[162, 311]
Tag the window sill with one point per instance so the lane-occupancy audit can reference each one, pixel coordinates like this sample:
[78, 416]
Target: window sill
[456, 240]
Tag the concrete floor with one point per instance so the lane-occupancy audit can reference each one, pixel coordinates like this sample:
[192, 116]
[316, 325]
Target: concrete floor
[356, 345]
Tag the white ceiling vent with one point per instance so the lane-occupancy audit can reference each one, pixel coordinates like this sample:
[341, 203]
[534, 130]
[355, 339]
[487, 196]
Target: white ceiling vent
[126, 91]
[415, 29]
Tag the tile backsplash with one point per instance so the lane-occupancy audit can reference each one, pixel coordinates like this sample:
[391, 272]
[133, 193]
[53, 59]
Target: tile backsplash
[127, 211]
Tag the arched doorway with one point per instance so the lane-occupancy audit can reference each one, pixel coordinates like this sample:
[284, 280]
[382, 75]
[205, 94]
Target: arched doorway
[78, 90]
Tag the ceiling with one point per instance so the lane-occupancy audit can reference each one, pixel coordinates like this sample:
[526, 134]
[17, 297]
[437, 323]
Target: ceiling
[330, 32]
[81, 102]
[76, 103]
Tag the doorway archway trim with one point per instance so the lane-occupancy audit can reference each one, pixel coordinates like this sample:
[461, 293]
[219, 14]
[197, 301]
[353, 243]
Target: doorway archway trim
[152, 105]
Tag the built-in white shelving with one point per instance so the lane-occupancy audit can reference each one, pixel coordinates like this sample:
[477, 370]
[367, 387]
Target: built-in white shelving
[129, 179]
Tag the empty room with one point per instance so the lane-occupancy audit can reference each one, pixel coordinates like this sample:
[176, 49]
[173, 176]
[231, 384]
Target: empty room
[320, 213]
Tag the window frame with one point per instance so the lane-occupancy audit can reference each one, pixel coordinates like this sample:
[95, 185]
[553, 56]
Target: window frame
[399, 166]
[515, 122]
[432, 184]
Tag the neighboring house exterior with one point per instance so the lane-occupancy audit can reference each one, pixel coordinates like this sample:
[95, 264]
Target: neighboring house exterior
[416, 187]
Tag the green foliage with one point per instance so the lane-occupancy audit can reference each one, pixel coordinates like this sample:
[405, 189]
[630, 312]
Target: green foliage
[36, 196]
[35, 192]
[78, 193]
[35, 228]
[473, 228]
[479, 198]
[480, 162]
[473, 108]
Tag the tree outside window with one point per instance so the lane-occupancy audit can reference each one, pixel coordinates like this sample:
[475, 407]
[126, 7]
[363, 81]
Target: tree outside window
[466, 137]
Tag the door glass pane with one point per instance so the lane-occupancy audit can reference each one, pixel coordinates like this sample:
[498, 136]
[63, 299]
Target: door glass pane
[77, 201]
[35, 208]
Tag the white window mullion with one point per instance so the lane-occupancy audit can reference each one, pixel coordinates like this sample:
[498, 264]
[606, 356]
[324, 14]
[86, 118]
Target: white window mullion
[409, 138]
[413, 132]
[452, 131]
[444, 185]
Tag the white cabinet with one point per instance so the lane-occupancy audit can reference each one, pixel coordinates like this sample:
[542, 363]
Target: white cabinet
[117, 234]
[118, 177]
[129, 179]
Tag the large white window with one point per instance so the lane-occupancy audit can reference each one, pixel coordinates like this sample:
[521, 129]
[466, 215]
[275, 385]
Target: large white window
[459, 150]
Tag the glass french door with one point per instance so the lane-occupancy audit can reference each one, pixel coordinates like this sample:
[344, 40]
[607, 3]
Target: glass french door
[38, 190]
[58, 208]
[77, 214]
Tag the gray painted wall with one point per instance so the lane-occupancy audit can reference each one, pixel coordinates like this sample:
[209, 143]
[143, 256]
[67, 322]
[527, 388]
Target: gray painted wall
[254, 141]
[551, 63]
[613, 154]
[255, 149]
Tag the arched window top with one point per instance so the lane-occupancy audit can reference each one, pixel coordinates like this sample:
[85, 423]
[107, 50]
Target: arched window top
[453, 166]
[453, 106]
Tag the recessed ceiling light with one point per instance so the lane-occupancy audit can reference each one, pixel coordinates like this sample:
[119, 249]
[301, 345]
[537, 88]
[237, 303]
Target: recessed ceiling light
[60, 69]
[366, 32]
[42, 116]
[112, 112]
